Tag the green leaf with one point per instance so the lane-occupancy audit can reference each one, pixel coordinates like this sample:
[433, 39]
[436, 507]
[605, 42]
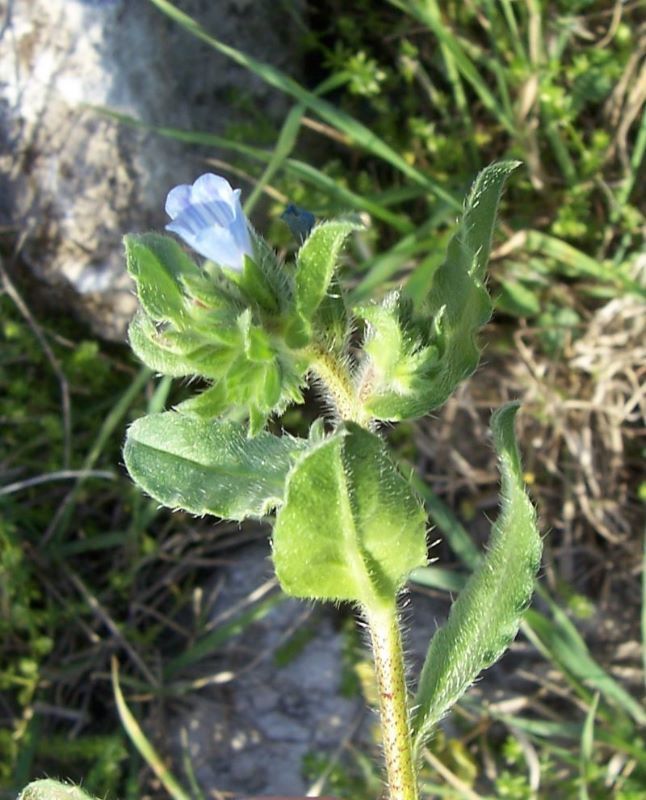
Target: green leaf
[332, 321]
[350, 528]
[559, 640]
[156, 263]
[209, 466]
[263, 281]
[180, 353]
[485, 618]
[253, 283]
[398, 356]
[329, 112]
[316, 262]
[144, 340]
[208, 404]
[519, 299]
[48, 789]
[458, 304]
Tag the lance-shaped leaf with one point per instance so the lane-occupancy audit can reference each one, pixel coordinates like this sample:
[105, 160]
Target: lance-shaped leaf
[457, 295]
[458, 305]
[484, 619]
[350, 528]
[209, 466]
[180, 352]
[316, 262]
[315, 265]
[263, 282]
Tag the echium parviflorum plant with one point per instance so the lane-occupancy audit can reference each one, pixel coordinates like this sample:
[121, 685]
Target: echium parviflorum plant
[347, 525]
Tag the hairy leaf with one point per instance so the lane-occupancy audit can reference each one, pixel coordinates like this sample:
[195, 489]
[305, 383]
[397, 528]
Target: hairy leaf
[397, 354]
[48, 789]
[484, 619]
[316, 262]
[350, 528]
[443, 354]
[157, 264]
[144, 339]
[209, 466]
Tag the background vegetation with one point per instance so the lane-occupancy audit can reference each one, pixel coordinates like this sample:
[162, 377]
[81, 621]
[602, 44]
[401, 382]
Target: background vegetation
[404, 101]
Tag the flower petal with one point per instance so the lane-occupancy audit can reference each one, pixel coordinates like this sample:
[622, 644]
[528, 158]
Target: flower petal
[211, 187]
[219, 245]
[178, 199]
[209, 218]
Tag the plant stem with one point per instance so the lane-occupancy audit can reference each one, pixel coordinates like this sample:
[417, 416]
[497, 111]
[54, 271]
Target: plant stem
[336, 377]
[393, 703]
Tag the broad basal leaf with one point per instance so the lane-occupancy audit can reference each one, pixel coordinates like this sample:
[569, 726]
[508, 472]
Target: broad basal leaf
[484, 619]
[209, 466]
[350, 528]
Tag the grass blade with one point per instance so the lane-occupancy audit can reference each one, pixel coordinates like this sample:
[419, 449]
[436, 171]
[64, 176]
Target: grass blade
[341, 195]
[568, 650]
[455, 532]
[143, 745]
[424, 12]
[355, 130]
[438, 578]
[587, 745]
[580, 264]
[211, 641]
[284, 146]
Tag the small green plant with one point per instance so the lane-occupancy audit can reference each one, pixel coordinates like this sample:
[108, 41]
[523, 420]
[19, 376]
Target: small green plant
[348, 525]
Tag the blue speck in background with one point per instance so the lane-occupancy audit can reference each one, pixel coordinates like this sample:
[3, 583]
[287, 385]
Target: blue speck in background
[299, 220]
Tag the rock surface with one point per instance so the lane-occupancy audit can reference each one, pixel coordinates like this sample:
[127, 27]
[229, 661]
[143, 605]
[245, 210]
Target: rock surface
[273, 694]
[251, 733]
[73, 182]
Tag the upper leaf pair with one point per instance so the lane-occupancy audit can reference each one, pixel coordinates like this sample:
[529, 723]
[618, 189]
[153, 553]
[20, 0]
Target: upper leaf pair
[414, 361]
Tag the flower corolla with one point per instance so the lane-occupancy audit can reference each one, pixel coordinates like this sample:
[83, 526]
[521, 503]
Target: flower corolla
[209, 218]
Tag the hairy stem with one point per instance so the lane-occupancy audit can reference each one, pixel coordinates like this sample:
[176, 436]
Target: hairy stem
[336, 377]
[393, 704]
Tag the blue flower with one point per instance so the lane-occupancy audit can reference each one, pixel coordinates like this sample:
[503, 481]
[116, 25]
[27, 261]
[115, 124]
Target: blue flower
[208, 217]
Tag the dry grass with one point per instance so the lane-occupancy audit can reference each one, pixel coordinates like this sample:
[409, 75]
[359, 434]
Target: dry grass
[581, 426]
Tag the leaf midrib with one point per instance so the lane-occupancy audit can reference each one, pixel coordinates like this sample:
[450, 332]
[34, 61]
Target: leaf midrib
[352, 539]
[233, 470]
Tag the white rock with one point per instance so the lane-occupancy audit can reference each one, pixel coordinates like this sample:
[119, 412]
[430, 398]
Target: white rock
[72, 181]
